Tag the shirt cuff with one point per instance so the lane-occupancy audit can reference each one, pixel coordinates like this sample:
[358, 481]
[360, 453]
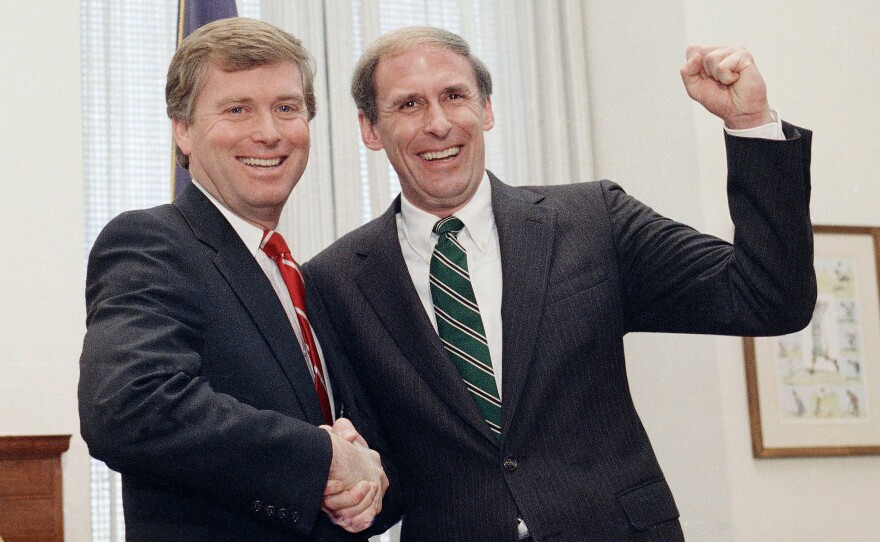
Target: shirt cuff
[772, 130]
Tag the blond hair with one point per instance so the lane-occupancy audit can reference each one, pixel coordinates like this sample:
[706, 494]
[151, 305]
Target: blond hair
[233, 44]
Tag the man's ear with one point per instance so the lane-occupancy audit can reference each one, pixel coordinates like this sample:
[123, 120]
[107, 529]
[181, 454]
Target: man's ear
[488, 115]
[368, 133]
[180, 130]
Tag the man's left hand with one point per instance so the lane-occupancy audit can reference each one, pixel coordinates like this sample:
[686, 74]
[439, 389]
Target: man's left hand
[727, 83]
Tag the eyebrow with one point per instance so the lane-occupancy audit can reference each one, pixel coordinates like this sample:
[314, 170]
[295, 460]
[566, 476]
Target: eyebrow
[458, 89]
[229, 100]
[451, 89]
[298, 98]
[405, 98]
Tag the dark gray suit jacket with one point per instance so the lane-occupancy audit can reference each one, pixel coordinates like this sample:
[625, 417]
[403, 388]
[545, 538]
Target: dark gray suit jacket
[583, 264]
[193, 385]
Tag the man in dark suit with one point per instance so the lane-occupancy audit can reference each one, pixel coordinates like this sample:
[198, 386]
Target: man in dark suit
[202, 380]
[544, 442]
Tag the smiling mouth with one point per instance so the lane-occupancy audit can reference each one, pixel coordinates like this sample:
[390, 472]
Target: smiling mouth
[261, 162]
[439, 155]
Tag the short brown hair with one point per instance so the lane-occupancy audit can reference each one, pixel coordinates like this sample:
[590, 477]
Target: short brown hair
[363, 84]
[233, 44]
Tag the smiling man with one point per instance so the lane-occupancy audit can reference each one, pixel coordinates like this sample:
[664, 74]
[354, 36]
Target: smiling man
[434, 116]
[210, 377]
[486, 321]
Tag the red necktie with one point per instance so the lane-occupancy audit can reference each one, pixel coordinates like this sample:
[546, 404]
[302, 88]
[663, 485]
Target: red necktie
[275, 247]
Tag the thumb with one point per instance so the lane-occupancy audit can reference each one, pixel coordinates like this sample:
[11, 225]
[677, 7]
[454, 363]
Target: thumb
[333, 487]
[345, 429]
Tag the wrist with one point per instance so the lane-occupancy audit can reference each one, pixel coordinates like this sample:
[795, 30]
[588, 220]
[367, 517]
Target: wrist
[746, 122]
[335, 451]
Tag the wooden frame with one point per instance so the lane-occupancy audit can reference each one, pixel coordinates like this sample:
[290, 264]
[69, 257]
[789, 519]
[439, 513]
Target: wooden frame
[817, 392]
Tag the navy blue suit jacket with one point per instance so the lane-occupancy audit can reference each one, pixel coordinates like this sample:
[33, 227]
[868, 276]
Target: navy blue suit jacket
[194, 387]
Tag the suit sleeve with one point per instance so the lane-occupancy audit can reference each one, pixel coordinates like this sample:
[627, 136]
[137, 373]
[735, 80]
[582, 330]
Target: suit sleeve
[147, 410]
[678, 280]
[358, 407]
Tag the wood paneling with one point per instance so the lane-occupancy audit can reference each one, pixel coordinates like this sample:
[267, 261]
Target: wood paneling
[30, 488]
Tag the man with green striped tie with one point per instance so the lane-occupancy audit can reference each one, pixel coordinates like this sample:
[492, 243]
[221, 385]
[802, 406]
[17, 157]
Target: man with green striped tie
[486, 321]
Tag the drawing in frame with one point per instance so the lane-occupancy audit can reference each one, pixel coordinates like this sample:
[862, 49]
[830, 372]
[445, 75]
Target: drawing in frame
[817, 392]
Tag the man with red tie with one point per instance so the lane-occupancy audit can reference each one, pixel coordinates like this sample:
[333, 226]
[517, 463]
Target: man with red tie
[207, 375]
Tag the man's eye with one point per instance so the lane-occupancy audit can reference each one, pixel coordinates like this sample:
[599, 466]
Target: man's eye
[286, 108]
[236, 110]
[407, 104]
[455, 96]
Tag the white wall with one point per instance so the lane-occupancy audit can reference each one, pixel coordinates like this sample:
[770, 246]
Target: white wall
[41, 227]
[818, 58]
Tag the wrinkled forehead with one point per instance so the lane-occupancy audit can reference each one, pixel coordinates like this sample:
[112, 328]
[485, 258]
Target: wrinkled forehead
[271, 80]
[423, 65]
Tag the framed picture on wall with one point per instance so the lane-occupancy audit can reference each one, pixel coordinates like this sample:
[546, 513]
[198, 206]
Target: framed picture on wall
[817, 392]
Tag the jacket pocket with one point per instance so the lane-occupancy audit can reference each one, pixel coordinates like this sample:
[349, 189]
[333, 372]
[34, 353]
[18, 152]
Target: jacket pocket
[649, 505]
[571, 286]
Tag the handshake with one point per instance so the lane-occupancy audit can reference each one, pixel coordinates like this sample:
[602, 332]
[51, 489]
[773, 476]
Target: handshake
[356, 482]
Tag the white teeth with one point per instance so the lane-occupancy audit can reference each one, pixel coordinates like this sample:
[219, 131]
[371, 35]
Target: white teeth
[262, 162]
[437, 155]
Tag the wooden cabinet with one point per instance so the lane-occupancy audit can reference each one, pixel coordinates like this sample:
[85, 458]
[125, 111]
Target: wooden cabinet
[30, 488]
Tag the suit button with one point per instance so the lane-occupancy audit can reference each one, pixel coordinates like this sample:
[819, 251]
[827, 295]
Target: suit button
[270, 511]
[256, 506]
[294, 516]
[282, 513]
[510, 464]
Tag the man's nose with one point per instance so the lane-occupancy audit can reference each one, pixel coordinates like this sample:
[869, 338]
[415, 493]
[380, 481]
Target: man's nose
[265, 129]
[437, 122]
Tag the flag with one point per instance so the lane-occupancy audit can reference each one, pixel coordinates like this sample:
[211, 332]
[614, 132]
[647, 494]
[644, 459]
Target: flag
[192, 14]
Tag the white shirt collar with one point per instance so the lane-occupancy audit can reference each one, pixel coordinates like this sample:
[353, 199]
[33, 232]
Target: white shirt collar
[251, 235]
[477, 216]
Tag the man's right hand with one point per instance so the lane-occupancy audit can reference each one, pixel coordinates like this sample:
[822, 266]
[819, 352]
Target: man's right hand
[356, 482]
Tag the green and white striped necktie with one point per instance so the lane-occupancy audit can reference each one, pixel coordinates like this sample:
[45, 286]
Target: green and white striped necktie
[458, 321]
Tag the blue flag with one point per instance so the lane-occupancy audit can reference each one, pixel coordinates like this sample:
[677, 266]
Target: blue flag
[192, 14]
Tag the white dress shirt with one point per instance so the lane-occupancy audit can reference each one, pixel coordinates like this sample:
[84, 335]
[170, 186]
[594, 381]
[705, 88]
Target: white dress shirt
[252, 236]
[480, 239]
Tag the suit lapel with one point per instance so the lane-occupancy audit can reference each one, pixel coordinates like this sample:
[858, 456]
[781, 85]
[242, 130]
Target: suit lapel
[397, 305]
[525, 235]
[247, 280]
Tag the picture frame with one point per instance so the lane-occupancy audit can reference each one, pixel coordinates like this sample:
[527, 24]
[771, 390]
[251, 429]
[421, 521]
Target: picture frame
[817, 392]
